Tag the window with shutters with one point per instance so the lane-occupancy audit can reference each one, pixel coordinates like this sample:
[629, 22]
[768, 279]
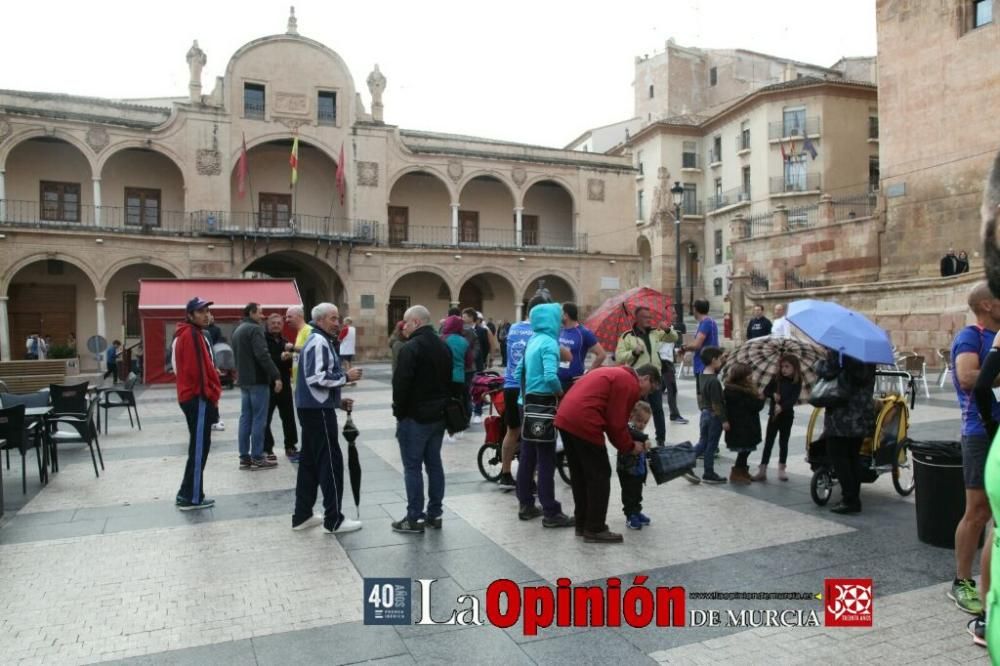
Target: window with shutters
[275, 209]
[253, 101]
[60, 202]
[142, 207]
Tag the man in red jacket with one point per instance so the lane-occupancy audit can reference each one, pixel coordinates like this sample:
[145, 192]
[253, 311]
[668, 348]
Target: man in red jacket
[198, 391]
[600, 403]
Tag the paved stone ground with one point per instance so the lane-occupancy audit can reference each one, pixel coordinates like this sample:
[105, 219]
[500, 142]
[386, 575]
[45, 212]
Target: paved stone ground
[101, 569]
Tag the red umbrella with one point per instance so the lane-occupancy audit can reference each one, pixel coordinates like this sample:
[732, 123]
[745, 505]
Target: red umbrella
[616, 315]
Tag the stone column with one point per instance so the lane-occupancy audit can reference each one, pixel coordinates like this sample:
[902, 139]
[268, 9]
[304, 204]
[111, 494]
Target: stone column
[4, 331]
[101, 327]
[3, 197]
[738, 228]
[518, 226]
[518, 315]
[97, 202]
[780, 219]
[454, 223]
[825, 212]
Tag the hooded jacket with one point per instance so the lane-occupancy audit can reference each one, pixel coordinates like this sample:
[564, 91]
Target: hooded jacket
[193, 366]
[461, 352]
[541, 356]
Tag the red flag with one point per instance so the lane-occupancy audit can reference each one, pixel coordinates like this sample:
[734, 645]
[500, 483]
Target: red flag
[784, 157]
[341, 176]
[242, 170]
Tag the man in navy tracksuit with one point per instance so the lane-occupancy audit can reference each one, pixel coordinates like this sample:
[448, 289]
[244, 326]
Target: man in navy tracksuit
[317, 396]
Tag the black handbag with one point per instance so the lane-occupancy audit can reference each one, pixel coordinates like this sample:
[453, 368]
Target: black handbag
[669, 462]
[538, 425]
[832, 392]
[456, 418]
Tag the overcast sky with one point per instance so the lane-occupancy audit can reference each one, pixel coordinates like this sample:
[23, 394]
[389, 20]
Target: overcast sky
[535, 71]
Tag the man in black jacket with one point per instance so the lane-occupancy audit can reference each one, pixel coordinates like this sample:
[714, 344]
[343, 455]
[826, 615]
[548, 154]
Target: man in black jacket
[760, 325]
[256, 372]
[280, 351]
[420, 390]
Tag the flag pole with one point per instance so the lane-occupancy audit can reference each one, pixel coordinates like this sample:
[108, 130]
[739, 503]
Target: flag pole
[254, 210]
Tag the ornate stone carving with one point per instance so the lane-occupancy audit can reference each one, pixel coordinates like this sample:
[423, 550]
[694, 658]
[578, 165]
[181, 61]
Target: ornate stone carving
[196, 60]
[368, 174]
[292, 123]
[519, 174]
[97, 138]
[286, 102]
[376, 86]
[293, 23]
[5, 130]
[455, 170]
[595, 189]
[209, 162]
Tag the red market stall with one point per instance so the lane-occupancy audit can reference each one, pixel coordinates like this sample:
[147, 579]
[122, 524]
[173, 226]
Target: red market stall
[162, 303]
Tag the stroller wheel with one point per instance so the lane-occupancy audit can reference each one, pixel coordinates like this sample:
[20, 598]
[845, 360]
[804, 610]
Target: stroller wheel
[489, 461]
[563, 467]
[821, 486]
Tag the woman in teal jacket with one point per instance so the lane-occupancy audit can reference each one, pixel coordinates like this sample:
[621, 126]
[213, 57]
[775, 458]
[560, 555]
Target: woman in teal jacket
[540, 371]
[451, 333]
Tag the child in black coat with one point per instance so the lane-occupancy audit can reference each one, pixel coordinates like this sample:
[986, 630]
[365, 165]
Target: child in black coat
[743, 405]
[784, 391]
[632, 468]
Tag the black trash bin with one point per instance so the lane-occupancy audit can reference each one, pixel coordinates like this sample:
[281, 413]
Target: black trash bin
[940, 488]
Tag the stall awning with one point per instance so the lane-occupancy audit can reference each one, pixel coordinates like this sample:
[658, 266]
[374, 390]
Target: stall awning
[166, 294]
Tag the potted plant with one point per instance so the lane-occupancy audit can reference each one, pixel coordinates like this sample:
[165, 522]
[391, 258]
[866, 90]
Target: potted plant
[68, 353]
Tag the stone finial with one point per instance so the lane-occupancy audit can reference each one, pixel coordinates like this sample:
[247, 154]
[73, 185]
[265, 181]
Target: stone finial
[376, 86]
[196, 60]
[293, 23]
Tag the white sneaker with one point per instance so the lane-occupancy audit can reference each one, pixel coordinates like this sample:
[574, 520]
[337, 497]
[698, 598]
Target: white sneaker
[219, 425]
[448, 439]
[459, 434]
[477, 419]
[311, 521]
[348, 525]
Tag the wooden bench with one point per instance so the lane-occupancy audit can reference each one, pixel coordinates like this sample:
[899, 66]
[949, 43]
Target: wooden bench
[30, 376]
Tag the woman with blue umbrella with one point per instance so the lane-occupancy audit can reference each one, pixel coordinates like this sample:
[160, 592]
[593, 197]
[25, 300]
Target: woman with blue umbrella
[855, 345]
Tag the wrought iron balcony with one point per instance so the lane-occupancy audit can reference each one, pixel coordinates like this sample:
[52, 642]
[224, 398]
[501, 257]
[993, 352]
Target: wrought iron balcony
[789, 129]
[727, 198]
[277, 224]
[486, 239]
[807, 182]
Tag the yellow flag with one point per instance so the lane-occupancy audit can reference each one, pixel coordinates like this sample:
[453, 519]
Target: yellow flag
[293, 160]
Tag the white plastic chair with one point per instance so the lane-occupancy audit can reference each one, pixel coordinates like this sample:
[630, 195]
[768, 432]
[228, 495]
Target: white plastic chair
[946, 369]
[917, 367]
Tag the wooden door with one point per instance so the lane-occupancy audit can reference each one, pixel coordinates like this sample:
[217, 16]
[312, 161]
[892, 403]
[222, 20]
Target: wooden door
[470, 296]
[397, 308]
[275, 209]
[399, 224]
[49, 309]
[468, 226]
[529, 230]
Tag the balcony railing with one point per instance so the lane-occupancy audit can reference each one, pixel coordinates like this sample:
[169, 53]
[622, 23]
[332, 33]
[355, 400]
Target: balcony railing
[17, 213]
[728, 198]
[692, 207]
[227, 223]
[118, 219]
[486, 238]
[715, 156]
[742, 142]
[790, 129]
[809, 182]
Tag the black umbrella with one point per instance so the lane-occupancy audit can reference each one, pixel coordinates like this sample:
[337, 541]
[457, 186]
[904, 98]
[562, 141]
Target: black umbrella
[351, 433]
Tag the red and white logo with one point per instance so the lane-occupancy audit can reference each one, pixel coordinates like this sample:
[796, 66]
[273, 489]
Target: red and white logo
[848, 602]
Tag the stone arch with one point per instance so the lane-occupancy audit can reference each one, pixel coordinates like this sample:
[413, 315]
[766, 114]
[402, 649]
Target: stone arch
[555, 272]
[434, 171]
[298, 39]
[262, 139]
[570, 190]
[490, 173]
[491, 291]
[131, 261]
[423, 268]
[37, 132]
[645, 250]
[142, 144]
[15, 268]
[317, 280]
[489, 268]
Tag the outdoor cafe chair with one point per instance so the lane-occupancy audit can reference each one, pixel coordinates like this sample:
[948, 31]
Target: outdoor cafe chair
[16, 434]
[85, 427]
[123, 397]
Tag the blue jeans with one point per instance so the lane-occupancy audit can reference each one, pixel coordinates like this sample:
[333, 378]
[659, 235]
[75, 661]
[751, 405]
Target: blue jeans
[708, 440]
[253, 419]
[419, 448]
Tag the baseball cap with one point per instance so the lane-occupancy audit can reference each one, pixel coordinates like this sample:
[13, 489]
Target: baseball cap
[197, 304]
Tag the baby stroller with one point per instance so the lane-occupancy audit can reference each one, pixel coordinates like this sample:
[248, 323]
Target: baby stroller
[483, 383]
[885, 450]
[489, 457]
[225, 362]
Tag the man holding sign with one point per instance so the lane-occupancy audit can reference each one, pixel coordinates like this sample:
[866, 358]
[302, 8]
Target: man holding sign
[654, 346]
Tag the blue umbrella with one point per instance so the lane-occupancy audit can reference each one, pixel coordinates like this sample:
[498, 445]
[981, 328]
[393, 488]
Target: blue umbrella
[842, 330]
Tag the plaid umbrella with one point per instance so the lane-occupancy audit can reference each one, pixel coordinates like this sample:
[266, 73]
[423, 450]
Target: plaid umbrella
[351, 433]
[762, 355]
[616, 315]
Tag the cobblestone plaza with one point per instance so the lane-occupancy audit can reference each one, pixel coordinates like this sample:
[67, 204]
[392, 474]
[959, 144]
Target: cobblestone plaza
[105, 569]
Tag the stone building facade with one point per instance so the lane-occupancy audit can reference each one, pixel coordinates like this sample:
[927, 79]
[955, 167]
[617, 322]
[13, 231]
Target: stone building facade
[96, 194]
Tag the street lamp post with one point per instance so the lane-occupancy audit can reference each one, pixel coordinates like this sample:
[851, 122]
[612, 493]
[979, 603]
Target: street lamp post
[677, 192]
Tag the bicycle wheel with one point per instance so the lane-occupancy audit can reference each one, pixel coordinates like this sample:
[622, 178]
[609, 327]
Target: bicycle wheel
[902, 469]
[563, 466]
[489, 461]
[821, 486]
